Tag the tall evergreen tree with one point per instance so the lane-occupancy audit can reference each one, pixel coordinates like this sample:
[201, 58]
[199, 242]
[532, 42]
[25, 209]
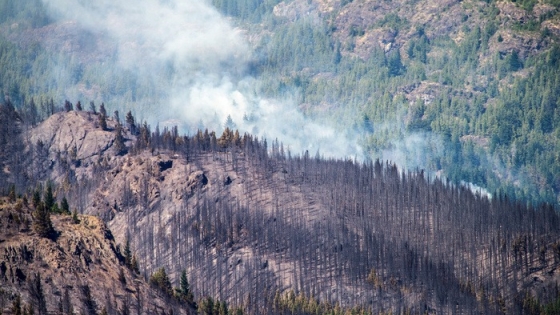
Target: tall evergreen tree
[130, 122]
[36, 198]
[102, 110]
[135, 268]
[184, 290]
[75, 219]
[42, 224]
[102, 121]
[120, 147]
[68, 106]
[64, 207]
[49, 198]
[127, 254]
[92, 107]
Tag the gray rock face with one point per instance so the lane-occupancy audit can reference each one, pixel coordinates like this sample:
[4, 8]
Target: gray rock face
[75, 134]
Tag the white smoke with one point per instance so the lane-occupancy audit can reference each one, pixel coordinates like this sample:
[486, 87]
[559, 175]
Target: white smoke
[187, 47]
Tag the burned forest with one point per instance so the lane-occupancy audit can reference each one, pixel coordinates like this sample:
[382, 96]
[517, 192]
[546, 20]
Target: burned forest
[270, 231]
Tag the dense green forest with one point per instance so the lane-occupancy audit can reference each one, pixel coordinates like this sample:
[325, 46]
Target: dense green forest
[457, 103]
[513, 111]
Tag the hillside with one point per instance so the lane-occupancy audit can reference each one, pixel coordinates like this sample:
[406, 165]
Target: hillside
[462, 89]
[286, 157]
[465, 89]
[81, 270]
[248, 222]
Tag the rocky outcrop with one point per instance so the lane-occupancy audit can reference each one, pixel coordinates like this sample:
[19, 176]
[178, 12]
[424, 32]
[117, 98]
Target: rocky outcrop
[75, 134]
[82, 254]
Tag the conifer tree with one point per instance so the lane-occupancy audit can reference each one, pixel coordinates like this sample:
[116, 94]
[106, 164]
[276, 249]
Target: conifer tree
[135, 267]
[127, 255]
[207, 306]
[221, 308]
[122, 277]
[42, 224]
[49, 198]
[184, 291]
[120, 147]
[229, 123]
[130, 122]
[161, 281]
[75, 219]
[64, 207]
[92, 107]
[36, 199]
[102, 110]
[68, 106]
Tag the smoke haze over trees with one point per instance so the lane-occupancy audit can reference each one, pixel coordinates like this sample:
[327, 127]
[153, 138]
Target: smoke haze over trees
[386, 82]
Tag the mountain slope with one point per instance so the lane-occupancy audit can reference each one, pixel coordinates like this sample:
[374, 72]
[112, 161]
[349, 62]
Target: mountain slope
[465, 89]
[247, 221]
[452, 87]
[81, 269]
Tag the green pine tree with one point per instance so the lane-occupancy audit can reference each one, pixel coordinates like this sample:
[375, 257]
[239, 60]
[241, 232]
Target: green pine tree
[184, 290]
[127, 255]
[42, 224]
[64, 207]
[161, 281]
[49, 198]
[36, 198]
[120, 147]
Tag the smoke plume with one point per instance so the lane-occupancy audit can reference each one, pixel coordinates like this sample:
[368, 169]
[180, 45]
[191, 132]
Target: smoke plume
[198, 61]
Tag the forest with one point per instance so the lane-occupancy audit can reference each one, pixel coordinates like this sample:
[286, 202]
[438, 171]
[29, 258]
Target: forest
[482, 110]
[452, 209]
[300, 234]
[488, 114]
